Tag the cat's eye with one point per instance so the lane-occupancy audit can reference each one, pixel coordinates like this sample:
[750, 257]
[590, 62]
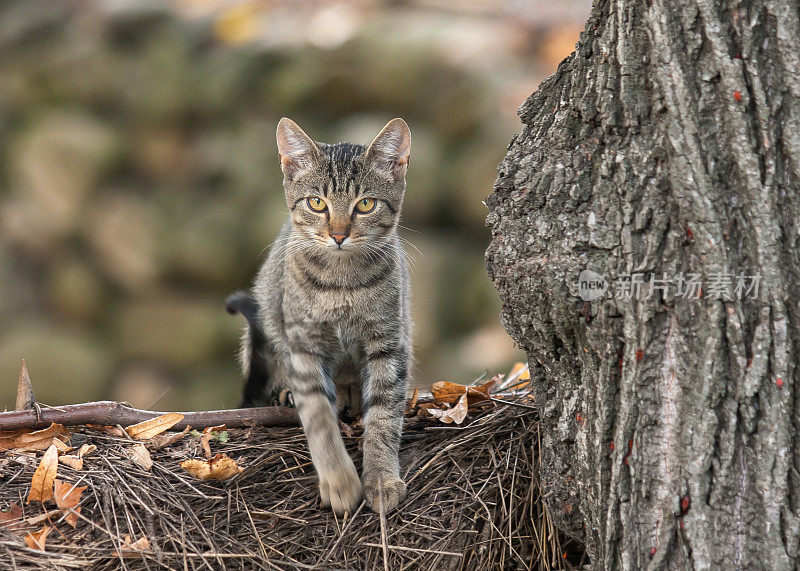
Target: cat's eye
[316, 204]
[365, 205]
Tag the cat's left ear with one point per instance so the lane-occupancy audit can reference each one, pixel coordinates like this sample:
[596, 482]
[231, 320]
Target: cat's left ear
[296, 149]
[391, 149]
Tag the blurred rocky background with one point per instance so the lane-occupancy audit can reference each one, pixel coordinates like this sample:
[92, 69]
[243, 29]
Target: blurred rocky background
[139, 182]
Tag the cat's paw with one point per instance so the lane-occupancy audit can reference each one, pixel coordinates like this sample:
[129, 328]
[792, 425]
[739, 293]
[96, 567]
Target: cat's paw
[341, 490]
[286, 398]
[394, 490]
[283, 397]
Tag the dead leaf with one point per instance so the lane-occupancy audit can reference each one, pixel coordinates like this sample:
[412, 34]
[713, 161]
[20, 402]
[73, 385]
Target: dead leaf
[129, 549]
[42, 481]
[425, 408]
[12, 515]
[73, 462]
[205, 440]
[456, 414]
[86, 449]
[163, 440]
[220, 467]
[412, 402]
[481, 392]
[112, 430]
[61, 446]
[445, 392]
[67, 497]
[154, 426]
[140, 456]
[517, 368]
[522, 373]
[15, 432]
[38, 539]
[450, 393]
[34, 440]
[488, 385]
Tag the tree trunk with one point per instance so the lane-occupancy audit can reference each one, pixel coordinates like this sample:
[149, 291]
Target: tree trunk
[667, 145]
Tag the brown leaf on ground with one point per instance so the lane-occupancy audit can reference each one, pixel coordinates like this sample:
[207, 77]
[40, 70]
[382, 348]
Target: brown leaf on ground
[140, 456]
[517, 368]
[163, 440]
[12, 515]
[42, 481]
[86, 449]
[73, 462]
[446, 392]
[37, 540]
[205, 440]
[522, 372]
[220, 467]
[450, 393]
[154, 426]
[67, 497]
[62, 447]
[129, 548]
[425, 409]
[481, 392]
[34, 440]
[111, 430]
[456, 414]
[412, 402]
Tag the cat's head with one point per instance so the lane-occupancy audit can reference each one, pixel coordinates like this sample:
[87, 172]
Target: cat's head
[343, 197]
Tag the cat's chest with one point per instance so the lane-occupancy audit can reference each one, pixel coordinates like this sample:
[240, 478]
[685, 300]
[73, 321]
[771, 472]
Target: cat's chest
[338, 310]
[347, 334]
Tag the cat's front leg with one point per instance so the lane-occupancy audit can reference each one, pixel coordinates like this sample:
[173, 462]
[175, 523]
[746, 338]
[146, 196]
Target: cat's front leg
[314, 398]
[384, 399]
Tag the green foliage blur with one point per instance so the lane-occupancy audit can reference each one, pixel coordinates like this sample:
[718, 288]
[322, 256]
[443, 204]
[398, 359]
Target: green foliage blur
[139, 180]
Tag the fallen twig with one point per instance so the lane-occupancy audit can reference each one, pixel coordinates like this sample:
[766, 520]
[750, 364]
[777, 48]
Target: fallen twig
[110, 413]
[29, 414]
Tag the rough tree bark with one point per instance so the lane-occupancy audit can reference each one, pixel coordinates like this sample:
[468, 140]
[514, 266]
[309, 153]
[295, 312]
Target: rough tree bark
[668, 142]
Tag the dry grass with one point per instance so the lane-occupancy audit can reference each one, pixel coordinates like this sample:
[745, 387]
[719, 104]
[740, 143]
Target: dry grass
[473, 503]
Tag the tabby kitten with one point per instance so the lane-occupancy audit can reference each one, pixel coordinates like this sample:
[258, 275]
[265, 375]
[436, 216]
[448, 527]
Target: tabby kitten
[329, 312]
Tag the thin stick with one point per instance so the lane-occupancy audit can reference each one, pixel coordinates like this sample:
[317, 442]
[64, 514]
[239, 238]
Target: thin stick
[415, 549]
[110, 413]
[341, 535]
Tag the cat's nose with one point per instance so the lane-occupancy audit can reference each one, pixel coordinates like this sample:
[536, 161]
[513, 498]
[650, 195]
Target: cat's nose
[339, 238]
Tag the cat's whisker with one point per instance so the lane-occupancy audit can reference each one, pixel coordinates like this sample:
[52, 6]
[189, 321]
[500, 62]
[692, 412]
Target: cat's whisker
[268, 246]
[409, 243]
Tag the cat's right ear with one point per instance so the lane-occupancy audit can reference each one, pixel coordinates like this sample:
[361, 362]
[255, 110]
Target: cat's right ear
[391, 149]
[296, 149]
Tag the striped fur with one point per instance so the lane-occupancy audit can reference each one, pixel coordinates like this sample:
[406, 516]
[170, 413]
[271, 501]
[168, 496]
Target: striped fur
[332, 320]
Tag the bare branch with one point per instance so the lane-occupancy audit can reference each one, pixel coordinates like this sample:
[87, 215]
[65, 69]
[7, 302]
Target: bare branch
[110, 413]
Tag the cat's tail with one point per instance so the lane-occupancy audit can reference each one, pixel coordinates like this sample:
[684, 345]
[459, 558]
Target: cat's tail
[244, 303]
[254, 345]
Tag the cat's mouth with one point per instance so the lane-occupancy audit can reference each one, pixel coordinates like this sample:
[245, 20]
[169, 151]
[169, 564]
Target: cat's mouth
[348, 248]
[336, 247]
